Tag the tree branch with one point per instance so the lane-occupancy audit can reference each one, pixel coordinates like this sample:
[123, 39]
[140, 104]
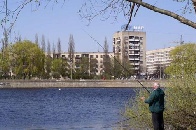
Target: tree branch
[166, 12]
[194, 4]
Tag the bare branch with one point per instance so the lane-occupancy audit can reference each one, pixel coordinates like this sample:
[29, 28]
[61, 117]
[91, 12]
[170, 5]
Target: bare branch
[194, 4]
[131, 12]
[165, 12]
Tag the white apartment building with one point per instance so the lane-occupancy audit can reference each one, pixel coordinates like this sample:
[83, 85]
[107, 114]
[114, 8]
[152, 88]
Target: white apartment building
[157, 58]
[131, 45]
[97, 55]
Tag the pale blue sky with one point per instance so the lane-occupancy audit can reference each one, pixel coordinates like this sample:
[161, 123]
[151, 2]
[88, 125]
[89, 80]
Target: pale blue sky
[59, 21]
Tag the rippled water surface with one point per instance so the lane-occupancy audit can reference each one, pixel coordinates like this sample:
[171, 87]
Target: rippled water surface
[65, 109]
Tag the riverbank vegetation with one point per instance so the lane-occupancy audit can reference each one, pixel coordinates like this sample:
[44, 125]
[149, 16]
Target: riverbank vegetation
[180, 105]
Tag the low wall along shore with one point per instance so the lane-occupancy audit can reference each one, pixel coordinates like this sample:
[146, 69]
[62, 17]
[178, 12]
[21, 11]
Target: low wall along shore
[77, 83]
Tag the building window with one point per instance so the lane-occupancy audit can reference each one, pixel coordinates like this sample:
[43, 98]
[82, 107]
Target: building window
[77, 56]
[126, 38]
[131, 37]
[136, 37]
[96, 56]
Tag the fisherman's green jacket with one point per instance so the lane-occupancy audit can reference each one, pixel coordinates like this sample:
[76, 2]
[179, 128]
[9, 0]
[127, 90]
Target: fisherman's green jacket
[156, 101]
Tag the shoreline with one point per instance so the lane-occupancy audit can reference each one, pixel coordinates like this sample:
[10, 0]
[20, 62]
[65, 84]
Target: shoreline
[79, 83]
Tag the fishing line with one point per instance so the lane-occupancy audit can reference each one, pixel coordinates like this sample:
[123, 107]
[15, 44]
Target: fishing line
[115, 60]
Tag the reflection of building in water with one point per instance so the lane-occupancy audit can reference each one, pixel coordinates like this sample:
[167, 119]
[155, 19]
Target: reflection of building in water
[131, 45]
[157, 58]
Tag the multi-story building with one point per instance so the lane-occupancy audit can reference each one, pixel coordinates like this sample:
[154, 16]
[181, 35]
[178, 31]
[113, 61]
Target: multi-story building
[131, 45]
[90, 55]
[155, 59]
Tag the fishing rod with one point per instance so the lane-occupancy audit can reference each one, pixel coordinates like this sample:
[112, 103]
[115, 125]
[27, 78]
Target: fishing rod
[116, 60]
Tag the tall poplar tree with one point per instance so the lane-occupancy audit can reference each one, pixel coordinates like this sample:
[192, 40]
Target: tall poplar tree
[48, 49]
[53, 51]
[36, 39]
[71, 51]
[106, 60]
[71, 48]
[43, 43]
[59, 46]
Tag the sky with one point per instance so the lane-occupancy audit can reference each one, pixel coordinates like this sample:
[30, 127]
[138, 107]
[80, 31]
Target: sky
[62, 20]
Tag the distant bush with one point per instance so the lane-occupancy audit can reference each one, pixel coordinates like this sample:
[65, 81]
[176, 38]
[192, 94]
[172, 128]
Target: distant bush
[56, 75]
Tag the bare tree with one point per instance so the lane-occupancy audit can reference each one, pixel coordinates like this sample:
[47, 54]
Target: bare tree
[48, 49]
[59, 46]
[5, 39]
[71, 49]
[54, 50]
[19, 38]
[43, 43]
[106, 60]
[36, 39]
[106, 46]
[93, 68]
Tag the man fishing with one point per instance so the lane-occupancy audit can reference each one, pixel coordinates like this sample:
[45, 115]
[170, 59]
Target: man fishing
[156, 106]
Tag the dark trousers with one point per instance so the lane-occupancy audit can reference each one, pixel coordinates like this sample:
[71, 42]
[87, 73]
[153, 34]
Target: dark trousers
[157, 120]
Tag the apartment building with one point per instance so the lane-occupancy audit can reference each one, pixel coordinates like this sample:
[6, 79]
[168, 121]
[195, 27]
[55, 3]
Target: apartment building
[157, 58]
[90, 55]
[131, 45]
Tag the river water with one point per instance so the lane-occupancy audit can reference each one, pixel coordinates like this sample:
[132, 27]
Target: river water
[62, 109]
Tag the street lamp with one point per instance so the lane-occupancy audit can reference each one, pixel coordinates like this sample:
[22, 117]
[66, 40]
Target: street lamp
[71, 63]
[160, 72]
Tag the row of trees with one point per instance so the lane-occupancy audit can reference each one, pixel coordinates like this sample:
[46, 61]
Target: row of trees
[25, 59]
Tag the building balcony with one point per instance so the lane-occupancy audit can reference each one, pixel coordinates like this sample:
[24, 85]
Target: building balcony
[137, 49]
[132, 54]
[134, 59]
[134, 40]
[135, 63]
[132, 44]
[136, 68]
